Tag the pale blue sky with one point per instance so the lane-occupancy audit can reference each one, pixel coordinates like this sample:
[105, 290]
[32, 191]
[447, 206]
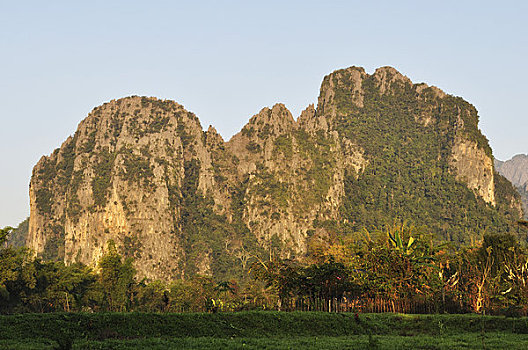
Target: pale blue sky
[225, 60]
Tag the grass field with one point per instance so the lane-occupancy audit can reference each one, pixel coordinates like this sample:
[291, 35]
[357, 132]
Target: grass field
[261, 330]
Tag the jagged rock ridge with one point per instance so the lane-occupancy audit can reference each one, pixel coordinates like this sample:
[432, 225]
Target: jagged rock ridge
[180, 200]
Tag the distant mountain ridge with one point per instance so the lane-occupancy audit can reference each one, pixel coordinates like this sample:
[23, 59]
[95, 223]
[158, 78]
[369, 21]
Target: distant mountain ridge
[516, 170]
[181, 201]
[19, 235]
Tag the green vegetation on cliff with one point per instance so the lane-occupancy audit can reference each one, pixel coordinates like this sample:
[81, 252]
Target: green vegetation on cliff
[409, 175]
[203, 230]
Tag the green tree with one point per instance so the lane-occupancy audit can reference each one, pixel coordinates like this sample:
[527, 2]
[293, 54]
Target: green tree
[71, 286]
[151, 297]
[12, 262]
[193, 294]
[397, 262]
[4, 233]
[116, 278]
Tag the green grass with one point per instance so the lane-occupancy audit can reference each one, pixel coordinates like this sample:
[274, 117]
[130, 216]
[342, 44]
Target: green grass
[462, 341]
[261, 330]
[492, 340]
[31, 344]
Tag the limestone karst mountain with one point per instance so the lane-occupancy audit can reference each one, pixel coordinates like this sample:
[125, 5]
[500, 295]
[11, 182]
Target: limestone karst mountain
[516, 170]
[143, 173]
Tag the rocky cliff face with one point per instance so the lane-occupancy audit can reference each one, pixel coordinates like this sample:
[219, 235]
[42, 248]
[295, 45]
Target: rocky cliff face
[142, 172]
[293, 174]
[474, 167]
[120, 177]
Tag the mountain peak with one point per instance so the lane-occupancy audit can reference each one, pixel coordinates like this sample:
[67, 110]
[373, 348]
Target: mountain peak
[386, 76]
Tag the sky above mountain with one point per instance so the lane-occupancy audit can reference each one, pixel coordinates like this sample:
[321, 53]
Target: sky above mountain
[225, 60]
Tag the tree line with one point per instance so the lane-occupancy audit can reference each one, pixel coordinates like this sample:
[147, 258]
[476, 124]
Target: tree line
[398, 263]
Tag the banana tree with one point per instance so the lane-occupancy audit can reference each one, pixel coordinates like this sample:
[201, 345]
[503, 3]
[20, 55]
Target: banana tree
[396, 238]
